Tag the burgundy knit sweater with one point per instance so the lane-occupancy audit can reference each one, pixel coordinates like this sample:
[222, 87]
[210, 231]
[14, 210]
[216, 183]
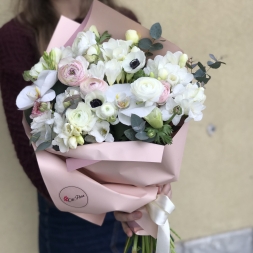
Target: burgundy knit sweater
[18, 53]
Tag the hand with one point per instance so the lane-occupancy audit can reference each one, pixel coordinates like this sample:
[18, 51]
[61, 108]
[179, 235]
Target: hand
[127, 217]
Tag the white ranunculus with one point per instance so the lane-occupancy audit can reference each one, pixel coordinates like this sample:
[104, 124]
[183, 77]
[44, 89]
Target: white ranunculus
[134, 61]
[82, 42]
[147, 90]
[82, 117]
[112, 70]
[101, 132]
[107, 110]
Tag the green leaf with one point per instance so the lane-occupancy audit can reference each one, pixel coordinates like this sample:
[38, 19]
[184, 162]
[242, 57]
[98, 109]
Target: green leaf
[27, 114]
[136, 121]
[141, 136]
[118, 131]
[145, 44]
[156, 31]
[130, 134]
[148, 54]
[104, 36]
[156, 46]
[35, 137]
[44, 146]
[138, 74]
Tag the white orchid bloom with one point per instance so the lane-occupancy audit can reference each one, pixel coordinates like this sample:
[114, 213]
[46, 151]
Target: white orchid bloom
[101, 132]
[40, 91]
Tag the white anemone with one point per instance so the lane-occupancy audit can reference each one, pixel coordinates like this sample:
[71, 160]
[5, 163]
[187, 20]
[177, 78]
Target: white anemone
[134, 61]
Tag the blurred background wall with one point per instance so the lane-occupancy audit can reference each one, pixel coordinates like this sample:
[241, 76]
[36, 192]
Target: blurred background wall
[214, 193]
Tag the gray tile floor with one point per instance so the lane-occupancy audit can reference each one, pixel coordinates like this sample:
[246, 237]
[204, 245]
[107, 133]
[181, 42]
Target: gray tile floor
[240, 241]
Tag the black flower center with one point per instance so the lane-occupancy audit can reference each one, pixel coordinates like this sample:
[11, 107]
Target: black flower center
[95, 103]
[134, 63]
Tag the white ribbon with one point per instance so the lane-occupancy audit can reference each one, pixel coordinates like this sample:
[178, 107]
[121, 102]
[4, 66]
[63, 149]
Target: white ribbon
[159, 211]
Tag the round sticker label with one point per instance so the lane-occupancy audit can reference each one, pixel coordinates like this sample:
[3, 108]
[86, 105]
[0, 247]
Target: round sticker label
[74, 197]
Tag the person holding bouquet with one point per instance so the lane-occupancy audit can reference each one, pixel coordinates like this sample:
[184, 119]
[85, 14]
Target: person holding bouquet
[22, 41]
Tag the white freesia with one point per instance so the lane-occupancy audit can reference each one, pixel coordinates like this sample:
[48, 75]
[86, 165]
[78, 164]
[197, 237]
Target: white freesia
[43, 124]
[132, 35]
[72, 142]
[70, 91]
[82, 117]
[97, 70]
[173, 58]
[177, 75]
[112, 70]
[101, 132]
[183, 60]
[40, 91]
[37, 69]
[147, 90]
[134, 61]
[82, 42]
[115, 49]
[153, 66]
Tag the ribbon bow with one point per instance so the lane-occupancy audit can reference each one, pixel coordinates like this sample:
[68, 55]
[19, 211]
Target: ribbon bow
[159, 211]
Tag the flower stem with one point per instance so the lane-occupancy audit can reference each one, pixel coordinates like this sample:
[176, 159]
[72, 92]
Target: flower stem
[143, 248]
[135, 244]
[171, 118]
[151, 245]
[128, 242]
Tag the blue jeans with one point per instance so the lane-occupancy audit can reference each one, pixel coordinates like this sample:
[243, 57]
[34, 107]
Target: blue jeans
[61, 232]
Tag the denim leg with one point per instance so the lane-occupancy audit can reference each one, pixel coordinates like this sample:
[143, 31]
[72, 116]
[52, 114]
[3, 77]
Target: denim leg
[61, 232]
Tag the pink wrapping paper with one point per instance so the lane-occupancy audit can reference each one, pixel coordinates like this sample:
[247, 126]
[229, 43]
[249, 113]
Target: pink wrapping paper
[99, 178]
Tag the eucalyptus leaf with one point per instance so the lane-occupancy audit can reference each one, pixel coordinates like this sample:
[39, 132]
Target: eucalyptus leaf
[74, 104]
[136, 121]
[145, 44]
[156, 31]
[71, 98]
[201, 66]
[213, 57]
[44, 146]
[199, 73]
[216, 65]
[156, 46]
[141, 136]
[130, 134]
[140, 128]
[35, 137]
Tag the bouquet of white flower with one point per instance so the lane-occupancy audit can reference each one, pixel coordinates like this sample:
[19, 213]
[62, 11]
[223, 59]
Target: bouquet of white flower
[104, 89]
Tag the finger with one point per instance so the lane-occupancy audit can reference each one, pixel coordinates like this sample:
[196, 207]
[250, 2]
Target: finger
[124, 217]
[126, 229]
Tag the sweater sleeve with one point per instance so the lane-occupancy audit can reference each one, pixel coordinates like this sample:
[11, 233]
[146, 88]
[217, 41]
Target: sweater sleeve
[17, 54]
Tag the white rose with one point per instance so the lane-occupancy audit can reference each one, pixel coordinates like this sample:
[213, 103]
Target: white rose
[81, 117]
[147, 89]
[82, 42]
